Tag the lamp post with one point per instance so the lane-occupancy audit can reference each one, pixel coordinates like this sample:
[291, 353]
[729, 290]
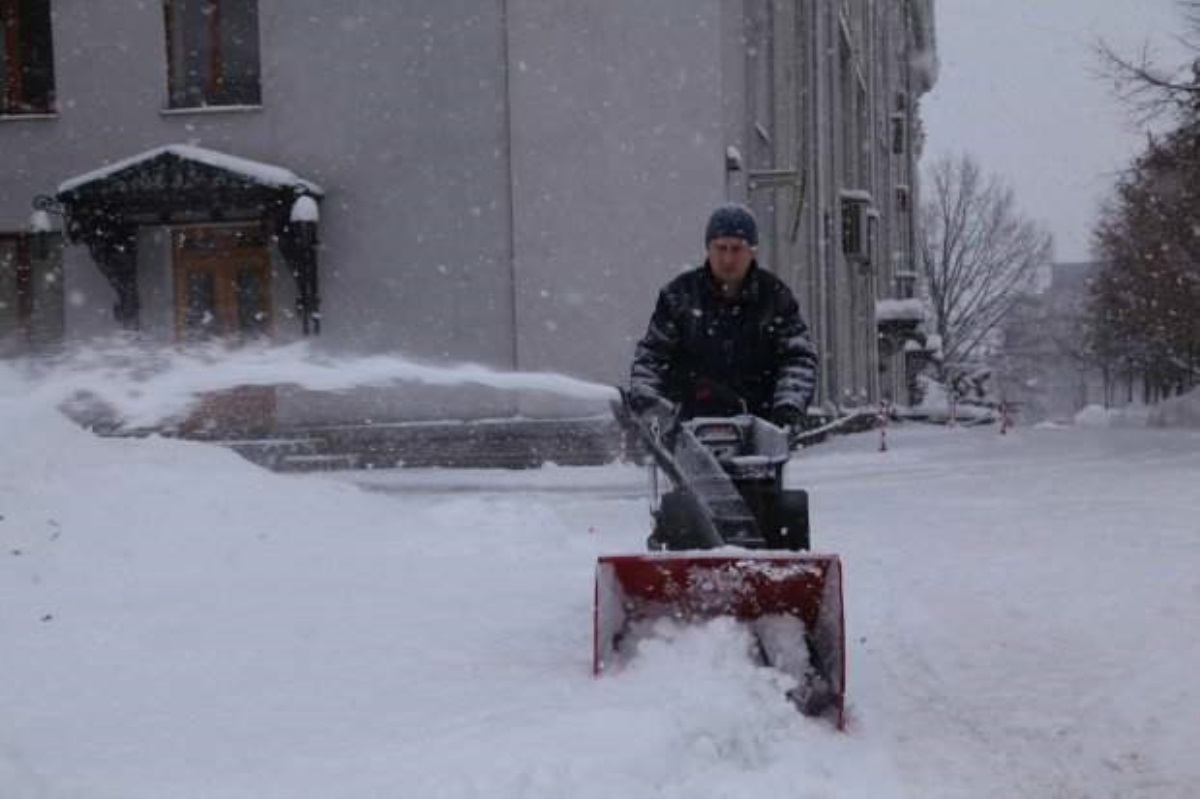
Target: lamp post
[41, 226]
[303, 219]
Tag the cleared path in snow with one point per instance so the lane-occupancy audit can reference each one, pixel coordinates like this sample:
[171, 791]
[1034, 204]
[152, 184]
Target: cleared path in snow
[1021, 612]
[1022, 609]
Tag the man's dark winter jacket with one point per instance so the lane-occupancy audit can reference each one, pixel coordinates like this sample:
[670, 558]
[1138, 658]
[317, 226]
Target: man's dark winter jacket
[701, 348]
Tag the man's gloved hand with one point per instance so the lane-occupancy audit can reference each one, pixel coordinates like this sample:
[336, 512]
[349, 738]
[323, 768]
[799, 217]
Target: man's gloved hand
[787, 416]
[652, 408]
[640, 403]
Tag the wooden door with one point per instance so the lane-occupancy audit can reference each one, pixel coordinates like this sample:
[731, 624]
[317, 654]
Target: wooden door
[222, 283]
[223, 293]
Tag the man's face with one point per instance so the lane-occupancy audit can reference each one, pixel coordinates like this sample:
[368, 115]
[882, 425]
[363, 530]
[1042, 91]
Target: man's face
[730, 259]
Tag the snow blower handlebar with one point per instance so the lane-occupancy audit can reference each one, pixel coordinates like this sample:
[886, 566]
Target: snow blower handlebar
[655, 426]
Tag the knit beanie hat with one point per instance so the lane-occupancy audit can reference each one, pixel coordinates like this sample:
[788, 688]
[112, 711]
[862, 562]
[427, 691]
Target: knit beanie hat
[732, 221]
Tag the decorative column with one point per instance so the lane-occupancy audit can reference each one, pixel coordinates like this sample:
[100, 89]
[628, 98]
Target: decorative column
[112, 242]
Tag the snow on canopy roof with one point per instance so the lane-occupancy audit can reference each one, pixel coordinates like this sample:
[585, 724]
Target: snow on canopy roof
[265, 174]
[897, 310]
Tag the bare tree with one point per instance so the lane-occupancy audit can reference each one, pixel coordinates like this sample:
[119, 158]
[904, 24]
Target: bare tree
[1149, 89]
[979, 256]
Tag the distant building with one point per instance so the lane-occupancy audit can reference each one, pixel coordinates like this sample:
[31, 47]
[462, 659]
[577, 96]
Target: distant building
[1047, 368]
[1073, 383]
[504, 183]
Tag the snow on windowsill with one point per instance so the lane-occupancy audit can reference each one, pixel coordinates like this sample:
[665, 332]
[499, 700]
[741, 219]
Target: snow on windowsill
[210, 109]
[28, 117]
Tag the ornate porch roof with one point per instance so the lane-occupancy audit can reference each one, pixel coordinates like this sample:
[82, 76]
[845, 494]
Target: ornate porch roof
[180, 183]
[180, 177]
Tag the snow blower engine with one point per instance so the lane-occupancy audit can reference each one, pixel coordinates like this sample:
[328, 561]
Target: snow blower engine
[728, 539]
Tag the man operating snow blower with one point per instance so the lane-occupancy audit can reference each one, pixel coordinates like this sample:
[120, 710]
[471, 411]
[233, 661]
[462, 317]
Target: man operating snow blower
[726, 332]
[723, 374]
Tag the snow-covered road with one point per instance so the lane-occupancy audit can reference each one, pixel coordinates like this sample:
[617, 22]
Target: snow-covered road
[1022, 613]
[1023, 608]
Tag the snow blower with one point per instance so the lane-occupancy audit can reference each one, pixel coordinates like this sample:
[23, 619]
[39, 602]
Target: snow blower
[727, 540]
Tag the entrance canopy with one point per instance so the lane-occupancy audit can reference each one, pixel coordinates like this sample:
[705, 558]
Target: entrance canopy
[181, 183]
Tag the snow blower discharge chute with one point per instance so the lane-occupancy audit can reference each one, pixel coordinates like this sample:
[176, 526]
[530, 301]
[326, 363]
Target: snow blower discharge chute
[728, 540]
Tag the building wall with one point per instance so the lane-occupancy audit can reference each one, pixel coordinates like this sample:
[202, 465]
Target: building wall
[397, 113]
[506, 183]
[823, 85]
[618, 142]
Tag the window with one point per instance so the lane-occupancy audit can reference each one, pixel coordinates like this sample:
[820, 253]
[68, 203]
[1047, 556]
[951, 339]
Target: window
[899, 139]
[212, 53]
[26, 58]
[858, 225]
[31, 292]
[900, 125]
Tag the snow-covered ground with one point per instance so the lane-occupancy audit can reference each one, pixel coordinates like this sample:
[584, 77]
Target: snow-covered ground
[175, 622]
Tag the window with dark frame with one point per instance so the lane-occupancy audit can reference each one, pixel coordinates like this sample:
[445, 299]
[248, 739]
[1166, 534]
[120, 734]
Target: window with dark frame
[899, 130]
[212, 53]
[31, 292]
[859, 223]
[16, 294]
[26, 58]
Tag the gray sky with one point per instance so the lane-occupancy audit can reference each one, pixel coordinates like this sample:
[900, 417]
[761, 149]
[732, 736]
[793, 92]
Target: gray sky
[1018, 89]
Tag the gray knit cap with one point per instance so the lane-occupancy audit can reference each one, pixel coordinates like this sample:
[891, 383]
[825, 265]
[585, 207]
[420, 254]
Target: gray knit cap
[732, 221]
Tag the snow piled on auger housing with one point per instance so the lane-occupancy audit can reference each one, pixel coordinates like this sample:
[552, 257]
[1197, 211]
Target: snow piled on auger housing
[714, 589]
